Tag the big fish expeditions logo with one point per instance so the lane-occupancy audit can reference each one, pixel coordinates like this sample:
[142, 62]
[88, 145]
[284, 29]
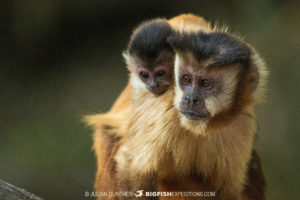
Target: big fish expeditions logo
[142, 193]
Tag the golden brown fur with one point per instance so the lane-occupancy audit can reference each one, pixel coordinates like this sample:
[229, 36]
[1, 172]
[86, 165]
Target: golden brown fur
[106, 140]
[169, 149]
[166, 146]
[177, 155]
[107, 125]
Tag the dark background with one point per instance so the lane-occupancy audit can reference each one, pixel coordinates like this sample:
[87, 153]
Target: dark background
[60, 60]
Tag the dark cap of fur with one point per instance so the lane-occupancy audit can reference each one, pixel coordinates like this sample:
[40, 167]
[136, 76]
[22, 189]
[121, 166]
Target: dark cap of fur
[222, 48]
[149, 39]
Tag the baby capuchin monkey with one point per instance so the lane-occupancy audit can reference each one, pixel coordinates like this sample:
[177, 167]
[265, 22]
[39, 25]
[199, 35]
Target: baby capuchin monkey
[149, 60]
[198, 136]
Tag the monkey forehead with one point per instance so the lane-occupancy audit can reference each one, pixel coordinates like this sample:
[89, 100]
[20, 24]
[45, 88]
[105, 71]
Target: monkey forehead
[214, 72]
[197, 71]
[149, 39]
[219, 47]
[163, 59]
[149, 67]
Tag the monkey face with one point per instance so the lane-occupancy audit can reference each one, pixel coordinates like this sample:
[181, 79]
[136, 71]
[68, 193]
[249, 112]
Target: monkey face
[150, 57]
[157, 79]
[203, 91]
[208, 68]
[196, 86]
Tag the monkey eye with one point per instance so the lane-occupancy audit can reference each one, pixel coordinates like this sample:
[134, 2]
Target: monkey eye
[144, 75]
[186, 80]
[160, 73]
[205, 83]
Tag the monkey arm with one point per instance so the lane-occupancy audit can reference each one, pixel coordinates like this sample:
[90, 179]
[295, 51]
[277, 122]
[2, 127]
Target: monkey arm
[255, 187]
[105, 146]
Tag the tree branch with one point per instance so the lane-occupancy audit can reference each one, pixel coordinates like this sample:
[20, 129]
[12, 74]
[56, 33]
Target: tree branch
[11, 192]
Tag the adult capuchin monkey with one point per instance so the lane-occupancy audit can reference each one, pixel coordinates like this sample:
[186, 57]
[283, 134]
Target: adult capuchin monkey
[149, 60]
[151, 109]
[204, 142]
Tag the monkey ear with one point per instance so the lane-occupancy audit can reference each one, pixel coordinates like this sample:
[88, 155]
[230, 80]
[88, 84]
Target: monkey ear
[257, 76]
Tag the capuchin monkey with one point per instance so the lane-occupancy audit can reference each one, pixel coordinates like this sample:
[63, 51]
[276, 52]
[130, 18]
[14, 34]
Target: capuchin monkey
[199, 135]
[154, 120]
[149, 60]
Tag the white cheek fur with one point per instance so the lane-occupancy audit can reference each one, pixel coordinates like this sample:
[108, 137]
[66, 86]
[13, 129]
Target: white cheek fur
[224, 99]
[176, 69]
[136, 81]
[178, 91]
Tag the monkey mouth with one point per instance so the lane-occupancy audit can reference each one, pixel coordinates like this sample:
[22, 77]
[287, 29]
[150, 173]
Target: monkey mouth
[157, 91]
[193, 115]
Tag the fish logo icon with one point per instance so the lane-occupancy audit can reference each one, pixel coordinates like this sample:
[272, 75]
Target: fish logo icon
[138, 193]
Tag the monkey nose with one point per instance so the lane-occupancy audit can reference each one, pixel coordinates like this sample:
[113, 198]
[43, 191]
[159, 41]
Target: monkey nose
[191, 99]
[154, 85]
[194, 99]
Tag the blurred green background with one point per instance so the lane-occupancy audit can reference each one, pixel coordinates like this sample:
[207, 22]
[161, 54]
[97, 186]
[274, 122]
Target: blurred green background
[60, 60]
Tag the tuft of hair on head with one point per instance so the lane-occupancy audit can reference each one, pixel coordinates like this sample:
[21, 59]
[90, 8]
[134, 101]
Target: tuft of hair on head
[223, 49]
[149, 39]
[220, 47]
